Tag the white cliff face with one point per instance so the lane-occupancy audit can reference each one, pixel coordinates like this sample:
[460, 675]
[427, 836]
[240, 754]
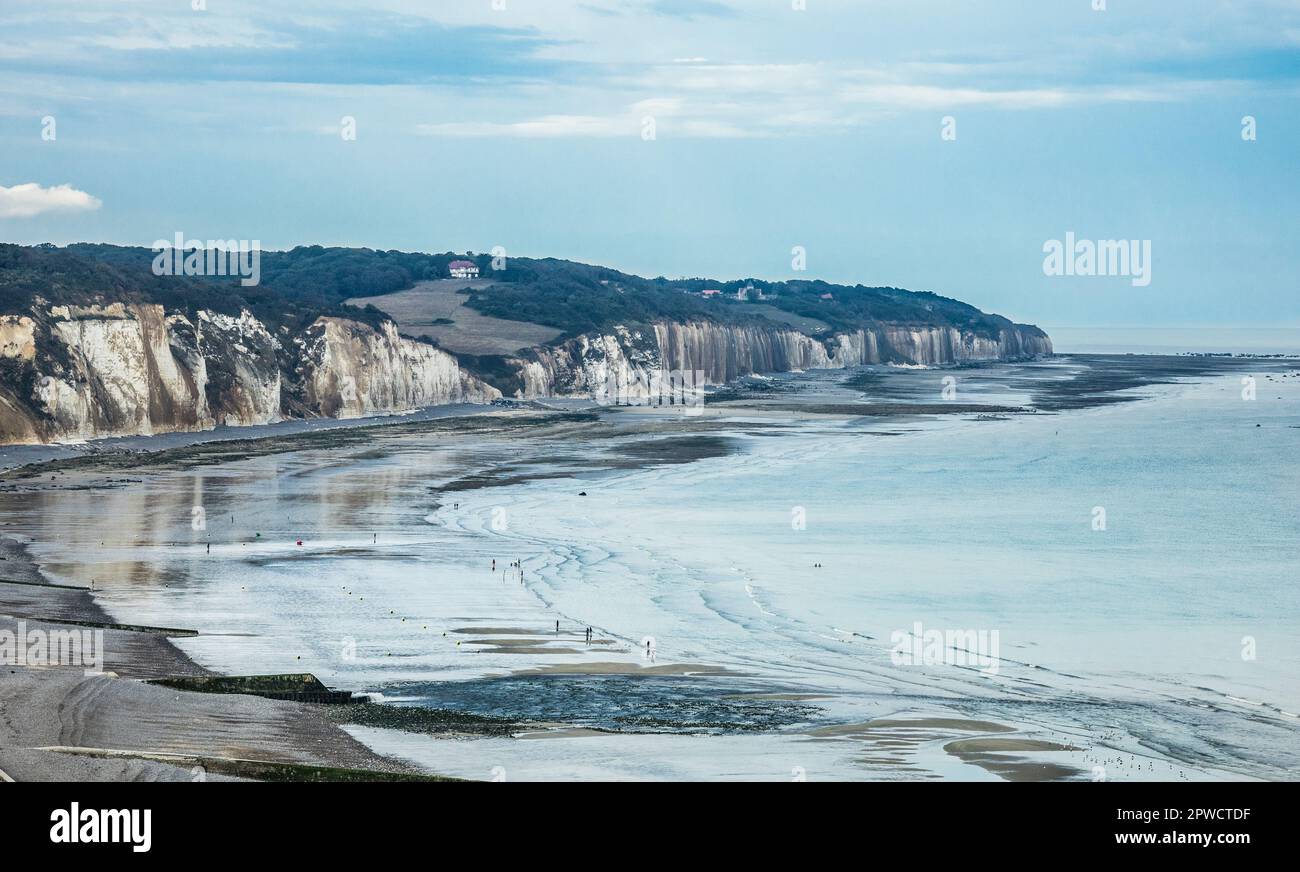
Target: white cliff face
[721, 353]
[72, 373]
[134, 370]
[244, 379]
[354, 370]
[120, 377]
[582, 365]
[75, 373]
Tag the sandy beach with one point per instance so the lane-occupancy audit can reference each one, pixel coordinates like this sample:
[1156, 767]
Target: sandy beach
[382, 536]
[58, 723]
[112, 724]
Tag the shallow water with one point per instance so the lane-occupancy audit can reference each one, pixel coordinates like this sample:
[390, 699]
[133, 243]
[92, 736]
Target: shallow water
[1126, 643]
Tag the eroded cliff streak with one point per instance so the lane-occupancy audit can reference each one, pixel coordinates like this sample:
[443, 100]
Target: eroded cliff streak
[724, 352]
[353, 370]
[73, 373]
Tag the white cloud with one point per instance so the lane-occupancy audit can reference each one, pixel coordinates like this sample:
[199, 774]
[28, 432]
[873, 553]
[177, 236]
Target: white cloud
[549, 126]
[26, 201]
[727, 101]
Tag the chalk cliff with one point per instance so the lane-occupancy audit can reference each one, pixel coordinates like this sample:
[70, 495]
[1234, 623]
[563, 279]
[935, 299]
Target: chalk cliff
[74, 373]
[722, 352]
[94, 344]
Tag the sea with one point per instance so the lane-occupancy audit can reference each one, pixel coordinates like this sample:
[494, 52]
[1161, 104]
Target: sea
[1079, 568]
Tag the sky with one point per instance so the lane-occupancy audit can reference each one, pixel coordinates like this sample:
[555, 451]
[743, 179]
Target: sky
[911, 143]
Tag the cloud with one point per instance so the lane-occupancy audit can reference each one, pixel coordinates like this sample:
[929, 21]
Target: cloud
[545, 127]
[690, 9]
[26, 201]
[723, 69]
[729, 101]
[378, 48]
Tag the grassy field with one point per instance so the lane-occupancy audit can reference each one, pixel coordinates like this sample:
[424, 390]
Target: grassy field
[810, 326]
[417, 310]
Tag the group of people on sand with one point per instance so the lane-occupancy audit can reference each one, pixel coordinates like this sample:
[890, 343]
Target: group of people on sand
[517, 564]
[589, 634]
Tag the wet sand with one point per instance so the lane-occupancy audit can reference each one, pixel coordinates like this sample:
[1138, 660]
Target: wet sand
[124, 729]
[60, 724]
[891, 740]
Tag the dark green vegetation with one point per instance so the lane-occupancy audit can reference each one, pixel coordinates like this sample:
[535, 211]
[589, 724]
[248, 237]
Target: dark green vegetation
[297, 687]
[577, 298]
[267, 771]
[301, 284]
[416, 719]
[85, 274]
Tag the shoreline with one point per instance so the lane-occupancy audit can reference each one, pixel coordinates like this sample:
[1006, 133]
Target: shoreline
[58, 723]
[16, 458]
[120, 726]
[104, 714]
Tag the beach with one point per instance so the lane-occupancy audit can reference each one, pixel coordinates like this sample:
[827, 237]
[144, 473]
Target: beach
[743, 572]
[61, 724]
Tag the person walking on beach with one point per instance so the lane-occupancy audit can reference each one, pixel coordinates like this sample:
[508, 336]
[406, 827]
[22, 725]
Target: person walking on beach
[494, 564]
[557, 628]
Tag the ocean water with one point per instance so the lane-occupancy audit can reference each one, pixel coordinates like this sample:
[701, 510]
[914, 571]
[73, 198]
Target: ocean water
[1176, 340]
[1160, 646]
